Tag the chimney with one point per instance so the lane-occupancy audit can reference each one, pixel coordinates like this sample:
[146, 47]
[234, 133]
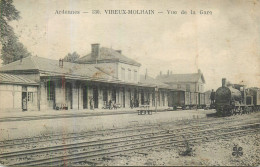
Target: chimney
[95, 50]
[160, 73]
[224, 82]
[199, 71]
[168, 73]
[119, 51]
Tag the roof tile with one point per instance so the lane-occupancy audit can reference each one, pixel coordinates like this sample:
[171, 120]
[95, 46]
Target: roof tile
[15, 79]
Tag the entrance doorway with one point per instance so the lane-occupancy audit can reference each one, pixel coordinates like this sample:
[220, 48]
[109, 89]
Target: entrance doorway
[142, 97]
[114, 95]
[95, 96]
[105, 97]
[51, 94]
[68, 90]
[85, 97]
[24, 101]
[123, 100]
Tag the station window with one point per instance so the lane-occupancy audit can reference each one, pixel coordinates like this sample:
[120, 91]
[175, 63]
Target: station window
[123, 73]
[50, 90]
[187, 87]
[68, 91]
[129, 74]
[179, 86]
[163, 99]
[135, 75]
[30, 96]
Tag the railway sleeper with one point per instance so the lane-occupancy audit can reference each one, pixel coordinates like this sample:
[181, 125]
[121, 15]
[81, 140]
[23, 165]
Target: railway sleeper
[132, 147]
[108, 158]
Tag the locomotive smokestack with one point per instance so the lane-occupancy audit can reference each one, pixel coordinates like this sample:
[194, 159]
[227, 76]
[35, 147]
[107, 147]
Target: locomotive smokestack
[224, 82]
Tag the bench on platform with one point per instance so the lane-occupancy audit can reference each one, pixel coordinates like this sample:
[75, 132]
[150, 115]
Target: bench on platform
[143, 112]
[143, 109]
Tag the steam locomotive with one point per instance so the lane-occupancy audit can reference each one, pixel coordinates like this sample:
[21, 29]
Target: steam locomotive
[232, 99]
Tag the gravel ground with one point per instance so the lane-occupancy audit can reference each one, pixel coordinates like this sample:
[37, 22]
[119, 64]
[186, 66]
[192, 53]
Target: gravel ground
[209, 154]
[22, 129]
[215, 153]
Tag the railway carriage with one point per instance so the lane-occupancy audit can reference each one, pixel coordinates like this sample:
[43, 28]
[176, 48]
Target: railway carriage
[186, 99]
[202, 103]
[177, 99]
[255, 94]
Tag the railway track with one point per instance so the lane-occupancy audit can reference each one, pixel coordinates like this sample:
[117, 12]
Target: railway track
[9, 144]
[108, 140]
[91, 151]
[52, 137]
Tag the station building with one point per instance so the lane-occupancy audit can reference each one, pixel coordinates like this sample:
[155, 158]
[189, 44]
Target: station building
[193, 82]
[93, 81]
[17, 93]
[189, 88]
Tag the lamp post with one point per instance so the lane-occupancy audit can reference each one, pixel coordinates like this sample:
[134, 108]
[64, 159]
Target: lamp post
[156, 90]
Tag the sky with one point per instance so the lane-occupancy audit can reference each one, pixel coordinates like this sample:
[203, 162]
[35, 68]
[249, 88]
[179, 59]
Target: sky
[224, 44]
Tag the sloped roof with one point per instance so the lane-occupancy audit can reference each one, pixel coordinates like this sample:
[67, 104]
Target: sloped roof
[107, 55]
[26, 64]
[51, 67]
[172, 78]
[15, 79]
[147, 80]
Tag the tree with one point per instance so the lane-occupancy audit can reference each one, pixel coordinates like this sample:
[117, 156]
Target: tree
[71, 57]
[12, 49]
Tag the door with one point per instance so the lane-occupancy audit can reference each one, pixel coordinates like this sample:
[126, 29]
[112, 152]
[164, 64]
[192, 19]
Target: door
[114, 95]
[95, 96]
[142, 97]
[153, 99]
[105, 97]
[85, 97]
[51, 94]
[124, 97]
[69, 95]
[24, 101]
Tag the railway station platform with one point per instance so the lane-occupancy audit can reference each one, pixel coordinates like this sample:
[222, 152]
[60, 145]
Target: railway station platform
[54, 114]
[37, 123]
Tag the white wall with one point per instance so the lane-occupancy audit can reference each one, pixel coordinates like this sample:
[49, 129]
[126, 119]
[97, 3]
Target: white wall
[11, 97]
[127, 67]
[111, 68]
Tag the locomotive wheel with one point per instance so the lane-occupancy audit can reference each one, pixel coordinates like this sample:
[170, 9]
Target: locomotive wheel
[228, 110]
[219, 110]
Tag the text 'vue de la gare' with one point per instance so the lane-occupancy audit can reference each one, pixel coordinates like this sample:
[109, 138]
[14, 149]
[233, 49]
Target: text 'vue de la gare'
[137, 12]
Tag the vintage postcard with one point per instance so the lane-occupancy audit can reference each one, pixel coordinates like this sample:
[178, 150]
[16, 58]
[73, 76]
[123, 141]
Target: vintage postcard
[130, 83]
